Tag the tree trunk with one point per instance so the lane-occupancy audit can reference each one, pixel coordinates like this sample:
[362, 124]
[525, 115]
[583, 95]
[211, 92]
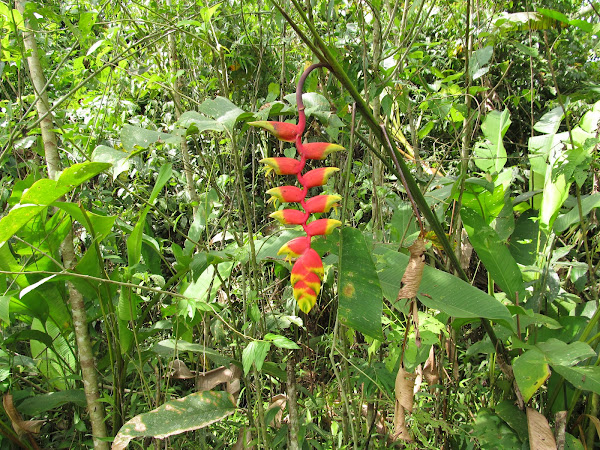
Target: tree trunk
[84, 346]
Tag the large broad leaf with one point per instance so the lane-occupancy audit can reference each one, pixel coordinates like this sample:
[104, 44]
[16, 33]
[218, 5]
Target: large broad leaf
[588, 203]
[438, 290]
[192, 412]
[117, 158]
[359, 291]
[490, 155]
[556, 191]
[38, 404]
[223, 111]
[531, 371]
[134, 138]
[195, 122]
[584, 378]
[43, 193]
[134, 242]
[494, 254]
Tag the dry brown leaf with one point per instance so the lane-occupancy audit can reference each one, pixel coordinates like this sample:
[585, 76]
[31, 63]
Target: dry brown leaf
[233, 385]
[430, 370]
[278, 401]
[595, 421]
[244, 440]
[179, 371]
[405, 383]
[540, 433]
[208, 380]
[414, 270]
[21, 427]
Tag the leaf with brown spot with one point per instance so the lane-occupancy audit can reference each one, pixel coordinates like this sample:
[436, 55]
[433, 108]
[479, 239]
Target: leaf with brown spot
[540, 433]
[191, 412]
[414, 270]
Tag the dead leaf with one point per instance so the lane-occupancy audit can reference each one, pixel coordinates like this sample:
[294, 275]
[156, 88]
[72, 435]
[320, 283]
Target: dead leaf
[278, 401]
[540, 433]
[208, 380]
[430, 370]
[22, 427]
[179, 371]
[404, 388]
[414, 270]
[244, 440]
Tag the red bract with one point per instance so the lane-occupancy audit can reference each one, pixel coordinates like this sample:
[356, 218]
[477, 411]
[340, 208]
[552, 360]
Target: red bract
[282, 166]
[317, 177]
[286, 194]
[321, 203]
[284, 131]
[320, 150]
[307, 271]
[322, 226]
[289, 217]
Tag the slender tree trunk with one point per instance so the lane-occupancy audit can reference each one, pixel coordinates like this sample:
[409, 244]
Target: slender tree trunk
[376, 104]
[292, 404]
[185, 152]
[84, 346]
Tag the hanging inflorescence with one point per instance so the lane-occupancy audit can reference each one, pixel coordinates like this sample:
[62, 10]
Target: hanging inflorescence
[307, 271]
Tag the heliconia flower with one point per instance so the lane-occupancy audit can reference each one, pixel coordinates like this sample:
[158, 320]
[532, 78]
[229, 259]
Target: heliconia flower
[317, 177]
[283, 131]
[286, 194]
[295, 247]
[305, 297]
[321, 203]
[282, 165]
[311, 262]
[289, 216]
[322, 226]
[320, 150]
[306, 279]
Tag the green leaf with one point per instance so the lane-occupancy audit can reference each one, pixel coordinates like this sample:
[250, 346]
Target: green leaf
[584, 378]
[531, 371]
[560, 353]
[16, 219]
[117, 158]
[102, 225]
[223, 111]
[479, 59]
[32, 406]
[133, 137]
[191, 412]
[438, 290]
[169, 348]
[494, 254]
[490, 155]
[195, 122]
[134, 242]
[359, 291]
[549, 123]
[5, 308]
[588, 203]
[556, 191]
[255, 352]
[514, 417]
[281, 341]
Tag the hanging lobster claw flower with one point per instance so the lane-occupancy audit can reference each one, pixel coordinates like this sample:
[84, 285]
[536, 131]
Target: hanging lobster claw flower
[295, 248]
[321, 203]
[322, 226]
[317, 177]
[282, 165]
[305, 297]
[302, 277]
[320, 150]
[311, 262]
[284, 131]
[286, 194]
[289, 216]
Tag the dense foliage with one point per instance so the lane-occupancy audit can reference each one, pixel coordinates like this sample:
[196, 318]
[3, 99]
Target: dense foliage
[145, 294]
